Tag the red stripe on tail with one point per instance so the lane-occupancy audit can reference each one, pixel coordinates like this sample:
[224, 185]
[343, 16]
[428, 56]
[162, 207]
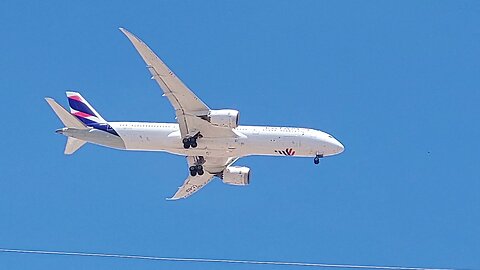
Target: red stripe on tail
[76, 98]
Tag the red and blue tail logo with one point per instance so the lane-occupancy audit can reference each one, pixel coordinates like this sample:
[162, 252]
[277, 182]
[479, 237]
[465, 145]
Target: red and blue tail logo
[86, 113]
[83, 110]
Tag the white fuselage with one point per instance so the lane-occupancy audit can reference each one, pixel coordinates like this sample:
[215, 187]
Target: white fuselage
[250, 140]
[211, 140]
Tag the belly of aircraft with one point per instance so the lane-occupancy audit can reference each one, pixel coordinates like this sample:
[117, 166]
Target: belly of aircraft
[171, 142]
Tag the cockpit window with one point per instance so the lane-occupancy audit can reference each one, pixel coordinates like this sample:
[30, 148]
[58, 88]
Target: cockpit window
[330, 136]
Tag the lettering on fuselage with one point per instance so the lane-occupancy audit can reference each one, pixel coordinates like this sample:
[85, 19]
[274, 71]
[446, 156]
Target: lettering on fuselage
[286, 152]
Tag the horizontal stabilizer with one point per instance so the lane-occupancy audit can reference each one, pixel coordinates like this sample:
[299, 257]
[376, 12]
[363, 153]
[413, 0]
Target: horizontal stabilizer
[73, 145]
[67, 119]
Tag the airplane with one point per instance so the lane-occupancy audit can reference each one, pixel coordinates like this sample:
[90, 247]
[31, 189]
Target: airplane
[211, 140]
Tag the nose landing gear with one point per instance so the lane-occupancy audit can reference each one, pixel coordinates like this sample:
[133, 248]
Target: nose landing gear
[317, 158]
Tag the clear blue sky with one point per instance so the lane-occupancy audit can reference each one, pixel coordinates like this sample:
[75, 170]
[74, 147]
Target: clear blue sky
[396, 81]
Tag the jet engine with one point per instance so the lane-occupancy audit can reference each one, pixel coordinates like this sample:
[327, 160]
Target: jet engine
[224, 118]
[237, 176]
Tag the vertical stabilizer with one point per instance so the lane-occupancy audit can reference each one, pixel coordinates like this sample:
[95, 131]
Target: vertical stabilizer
[80, 107]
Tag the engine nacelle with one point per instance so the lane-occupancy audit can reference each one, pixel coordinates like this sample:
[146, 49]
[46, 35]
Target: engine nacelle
[238, 176]
[224, 118]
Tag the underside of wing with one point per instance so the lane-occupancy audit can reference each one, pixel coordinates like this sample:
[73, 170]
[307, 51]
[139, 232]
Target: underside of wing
[190, 111]
[173, 88]
[196, 124]
[211, 167]
[192, 185]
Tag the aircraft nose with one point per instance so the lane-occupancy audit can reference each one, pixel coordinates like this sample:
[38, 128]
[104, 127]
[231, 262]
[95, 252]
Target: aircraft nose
[340, 147]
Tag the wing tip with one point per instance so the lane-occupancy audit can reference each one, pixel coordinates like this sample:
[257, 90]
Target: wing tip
[127, 33]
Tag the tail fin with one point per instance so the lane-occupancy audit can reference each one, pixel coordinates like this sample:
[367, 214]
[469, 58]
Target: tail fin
[67, 119]
[83, 110]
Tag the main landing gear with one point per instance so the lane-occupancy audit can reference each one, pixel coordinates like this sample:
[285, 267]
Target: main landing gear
[191, 141]
[197, 168]
[317, 158]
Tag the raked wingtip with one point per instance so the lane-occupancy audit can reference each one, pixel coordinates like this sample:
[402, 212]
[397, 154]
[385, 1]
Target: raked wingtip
[125, 31]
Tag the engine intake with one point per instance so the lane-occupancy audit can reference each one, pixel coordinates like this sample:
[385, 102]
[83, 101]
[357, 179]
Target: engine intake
[224, 118]
[237, 176]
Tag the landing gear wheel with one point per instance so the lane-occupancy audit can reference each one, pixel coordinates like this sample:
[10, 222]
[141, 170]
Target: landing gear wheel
[317, 158]
[196, 169]
[190, 142]
[186, 143]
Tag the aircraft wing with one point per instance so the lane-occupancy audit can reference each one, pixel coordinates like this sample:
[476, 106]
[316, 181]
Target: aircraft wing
[212, 167]
[188, 107]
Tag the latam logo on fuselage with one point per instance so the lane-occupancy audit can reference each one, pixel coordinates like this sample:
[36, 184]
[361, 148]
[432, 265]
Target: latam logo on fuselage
[286, 152]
